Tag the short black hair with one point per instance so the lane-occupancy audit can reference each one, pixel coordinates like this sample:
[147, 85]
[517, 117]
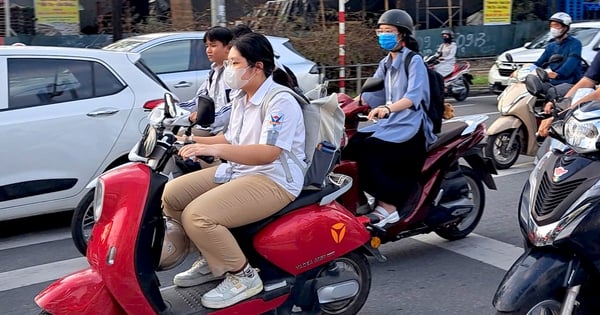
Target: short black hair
[218, 33]
[240, 30]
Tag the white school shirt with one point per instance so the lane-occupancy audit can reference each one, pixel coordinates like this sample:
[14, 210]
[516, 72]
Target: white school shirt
[283, 126]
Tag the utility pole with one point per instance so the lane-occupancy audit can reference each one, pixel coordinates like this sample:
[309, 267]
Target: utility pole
[217, 13]
[117, 28]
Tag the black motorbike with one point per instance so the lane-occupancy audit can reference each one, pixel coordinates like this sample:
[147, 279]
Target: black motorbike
[559, 216]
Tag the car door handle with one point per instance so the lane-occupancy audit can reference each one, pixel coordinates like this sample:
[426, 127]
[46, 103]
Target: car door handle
[104, 112]
[182, 84]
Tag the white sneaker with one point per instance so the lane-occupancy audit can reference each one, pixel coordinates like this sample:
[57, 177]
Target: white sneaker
[198, 274]
[387, 217]
[235, 288]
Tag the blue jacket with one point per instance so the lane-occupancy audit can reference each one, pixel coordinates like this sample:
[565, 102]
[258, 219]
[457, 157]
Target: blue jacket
[569, 70]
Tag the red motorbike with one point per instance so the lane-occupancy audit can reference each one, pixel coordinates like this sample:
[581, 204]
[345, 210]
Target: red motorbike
[311, 254]
[458, 82]
[449, 198]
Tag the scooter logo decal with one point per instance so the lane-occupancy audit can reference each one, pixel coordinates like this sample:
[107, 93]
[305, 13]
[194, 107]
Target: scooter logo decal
[338, 231]
[558, 172]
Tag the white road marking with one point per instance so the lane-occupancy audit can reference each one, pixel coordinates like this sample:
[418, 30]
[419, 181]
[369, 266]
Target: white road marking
[486, 250]
[41, 273]
[32, 239]
[515, 169]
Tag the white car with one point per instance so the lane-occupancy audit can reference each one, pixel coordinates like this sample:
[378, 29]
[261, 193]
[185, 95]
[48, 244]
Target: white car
[179, 59]
[67, 115]
[587, 32]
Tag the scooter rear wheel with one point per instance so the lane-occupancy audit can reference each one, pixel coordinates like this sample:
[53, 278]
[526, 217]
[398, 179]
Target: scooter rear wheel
[502, 155]
[476, 194]
[359, 264]
[464, 93]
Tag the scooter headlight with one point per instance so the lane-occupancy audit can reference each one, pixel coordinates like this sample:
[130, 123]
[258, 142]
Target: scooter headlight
[505, 105]
[582, 136]
[98, 199]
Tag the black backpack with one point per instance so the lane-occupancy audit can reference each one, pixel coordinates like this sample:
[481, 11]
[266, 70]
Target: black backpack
[435, 110]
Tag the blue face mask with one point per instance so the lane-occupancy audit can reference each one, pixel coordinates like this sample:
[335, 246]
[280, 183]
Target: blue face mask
[388, 41]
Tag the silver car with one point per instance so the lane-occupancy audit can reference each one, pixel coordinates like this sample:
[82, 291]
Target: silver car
[179, 59]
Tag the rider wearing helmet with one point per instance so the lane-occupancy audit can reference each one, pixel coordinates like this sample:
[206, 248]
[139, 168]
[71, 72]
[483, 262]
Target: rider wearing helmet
[392, 177]
[446, 54]
[569, 69]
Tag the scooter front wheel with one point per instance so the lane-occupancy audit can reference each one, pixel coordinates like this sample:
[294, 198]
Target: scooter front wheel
[83, 222]
[546, 307]
[498, 149]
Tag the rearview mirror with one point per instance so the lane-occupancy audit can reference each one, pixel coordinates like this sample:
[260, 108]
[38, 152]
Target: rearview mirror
[534, 85]
[170, 110]
[205, 115]
[555, 58]
[542, 74]
[372, 85]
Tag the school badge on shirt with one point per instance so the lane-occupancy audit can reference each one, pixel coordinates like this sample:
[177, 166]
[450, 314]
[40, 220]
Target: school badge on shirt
[275, 123]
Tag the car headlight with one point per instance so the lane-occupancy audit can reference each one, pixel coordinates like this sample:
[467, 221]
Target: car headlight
[98, 199]
[582, 136]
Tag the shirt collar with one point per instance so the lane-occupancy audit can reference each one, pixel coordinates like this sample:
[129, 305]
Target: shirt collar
[262, 91]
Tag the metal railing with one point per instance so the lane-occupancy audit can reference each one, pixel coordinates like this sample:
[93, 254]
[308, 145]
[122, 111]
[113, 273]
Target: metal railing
[358, 73]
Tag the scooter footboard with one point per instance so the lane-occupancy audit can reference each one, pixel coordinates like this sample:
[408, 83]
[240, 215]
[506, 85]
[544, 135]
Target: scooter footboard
[82, 292]
[536, 275]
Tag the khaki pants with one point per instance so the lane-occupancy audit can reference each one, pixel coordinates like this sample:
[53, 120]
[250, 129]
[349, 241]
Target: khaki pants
[207, 211]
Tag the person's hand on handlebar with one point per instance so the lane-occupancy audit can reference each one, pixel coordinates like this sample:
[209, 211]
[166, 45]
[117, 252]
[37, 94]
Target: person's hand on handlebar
[196, 149]
[548, 108]
[544, 128]
[379, 112]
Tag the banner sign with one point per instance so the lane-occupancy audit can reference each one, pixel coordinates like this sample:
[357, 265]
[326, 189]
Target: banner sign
[57, 17]
[497, 12]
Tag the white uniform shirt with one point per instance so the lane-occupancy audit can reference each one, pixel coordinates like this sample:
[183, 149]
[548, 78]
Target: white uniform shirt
[283, 126]
[215, 87]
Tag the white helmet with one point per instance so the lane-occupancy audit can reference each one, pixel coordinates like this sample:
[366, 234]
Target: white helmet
[175, 246]
[562, 18]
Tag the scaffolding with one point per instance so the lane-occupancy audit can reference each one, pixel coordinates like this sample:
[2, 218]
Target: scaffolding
[453, 11]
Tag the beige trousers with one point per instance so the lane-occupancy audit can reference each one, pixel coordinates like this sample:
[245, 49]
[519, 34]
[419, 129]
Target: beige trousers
[207, 211]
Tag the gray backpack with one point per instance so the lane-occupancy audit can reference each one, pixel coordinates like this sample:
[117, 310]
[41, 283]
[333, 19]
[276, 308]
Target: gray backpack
[324, 125]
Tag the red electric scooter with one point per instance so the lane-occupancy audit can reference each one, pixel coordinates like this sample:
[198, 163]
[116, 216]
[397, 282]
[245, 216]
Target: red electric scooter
[311, 254]
[449, 198]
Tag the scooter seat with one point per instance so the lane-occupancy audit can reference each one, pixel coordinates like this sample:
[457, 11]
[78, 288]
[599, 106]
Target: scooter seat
[450, 130]
[306, 197]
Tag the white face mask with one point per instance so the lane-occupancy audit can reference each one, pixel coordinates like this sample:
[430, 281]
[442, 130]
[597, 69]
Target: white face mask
[556, 32]
[233, 77]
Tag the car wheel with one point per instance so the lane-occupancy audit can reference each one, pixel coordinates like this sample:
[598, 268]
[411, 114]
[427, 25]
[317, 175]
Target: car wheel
[83, 222]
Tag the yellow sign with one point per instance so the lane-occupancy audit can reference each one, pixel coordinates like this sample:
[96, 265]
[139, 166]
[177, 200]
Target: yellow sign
[57, 17]
[497, 12]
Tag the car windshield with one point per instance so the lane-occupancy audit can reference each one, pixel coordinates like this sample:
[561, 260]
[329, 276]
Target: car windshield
[585, 36]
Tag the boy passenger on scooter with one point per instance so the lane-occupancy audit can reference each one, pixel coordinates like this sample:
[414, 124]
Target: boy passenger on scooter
[589, 80]
[217, 42]
[250, 186]
[391, 152]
